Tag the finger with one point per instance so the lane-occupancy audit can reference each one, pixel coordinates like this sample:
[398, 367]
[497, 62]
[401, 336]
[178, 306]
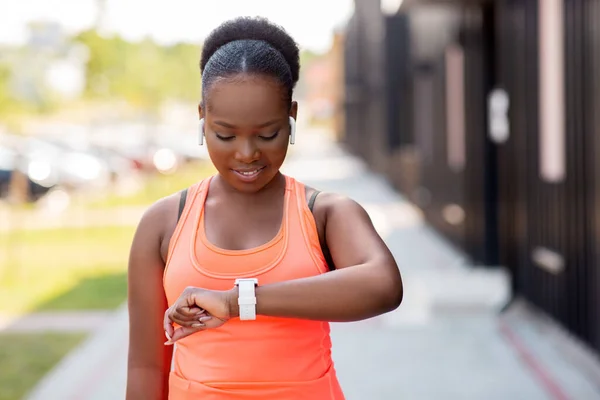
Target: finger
[177, 316]
[185, 321]
[186, 316]
[186, 312]
[189, 298]
[190, 311]
[183, 332]
[168, 325]
[188, 321]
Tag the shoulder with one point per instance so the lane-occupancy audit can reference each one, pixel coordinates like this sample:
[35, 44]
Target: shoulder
[157, 225]
[331, 200]
[161, 215]
[162, 208]
[333, 205]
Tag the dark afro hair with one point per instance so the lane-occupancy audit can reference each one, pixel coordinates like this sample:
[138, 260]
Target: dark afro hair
[250, 45]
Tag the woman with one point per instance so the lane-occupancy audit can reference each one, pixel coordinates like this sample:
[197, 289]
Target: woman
[315, 256]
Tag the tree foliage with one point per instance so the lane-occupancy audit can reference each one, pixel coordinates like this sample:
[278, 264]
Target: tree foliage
[143, 73]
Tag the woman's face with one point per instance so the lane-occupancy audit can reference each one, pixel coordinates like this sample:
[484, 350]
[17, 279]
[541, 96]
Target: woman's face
[247, 129]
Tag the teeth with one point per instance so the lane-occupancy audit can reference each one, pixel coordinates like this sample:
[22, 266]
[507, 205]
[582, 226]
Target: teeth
[248, 173]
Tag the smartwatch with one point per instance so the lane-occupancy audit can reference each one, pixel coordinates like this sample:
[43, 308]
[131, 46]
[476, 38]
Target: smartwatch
[247, 298]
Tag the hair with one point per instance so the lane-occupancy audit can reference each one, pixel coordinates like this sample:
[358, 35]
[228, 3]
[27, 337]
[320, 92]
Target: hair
[251, 45]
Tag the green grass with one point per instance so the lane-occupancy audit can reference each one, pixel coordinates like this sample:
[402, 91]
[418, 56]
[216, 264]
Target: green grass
[159, 186]
[26, 358]
[92, 293]
[67, 268]
[50, 270]
[79, 268]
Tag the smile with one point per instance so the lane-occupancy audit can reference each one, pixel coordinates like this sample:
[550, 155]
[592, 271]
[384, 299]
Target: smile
[248, 175]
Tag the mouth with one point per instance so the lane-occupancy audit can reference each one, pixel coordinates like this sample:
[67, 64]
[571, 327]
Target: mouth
[248, 175]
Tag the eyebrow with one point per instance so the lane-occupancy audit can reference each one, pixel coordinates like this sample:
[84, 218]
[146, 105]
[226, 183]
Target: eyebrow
[230, 126]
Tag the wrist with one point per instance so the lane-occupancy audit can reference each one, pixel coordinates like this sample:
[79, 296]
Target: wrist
[232, 302]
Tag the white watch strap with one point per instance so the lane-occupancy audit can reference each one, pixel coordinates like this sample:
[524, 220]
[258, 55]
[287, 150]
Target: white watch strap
[247, 298]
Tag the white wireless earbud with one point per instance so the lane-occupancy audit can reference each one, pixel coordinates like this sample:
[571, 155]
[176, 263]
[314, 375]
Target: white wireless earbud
[292, 130]
[201, 132]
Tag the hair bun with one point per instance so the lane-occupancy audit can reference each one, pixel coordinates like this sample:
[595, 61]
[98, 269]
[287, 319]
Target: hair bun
[253, 28]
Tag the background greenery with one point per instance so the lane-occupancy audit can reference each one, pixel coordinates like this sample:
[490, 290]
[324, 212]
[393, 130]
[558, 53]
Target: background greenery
[83, 268]
[27, 358]
[143, 74]
[65, 269]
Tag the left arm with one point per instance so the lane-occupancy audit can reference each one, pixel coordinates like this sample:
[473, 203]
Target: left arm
[366, 282]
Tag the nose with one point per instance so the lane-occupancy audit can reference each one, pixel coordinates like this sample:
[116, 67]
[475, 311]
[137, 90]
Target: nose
[247, 152]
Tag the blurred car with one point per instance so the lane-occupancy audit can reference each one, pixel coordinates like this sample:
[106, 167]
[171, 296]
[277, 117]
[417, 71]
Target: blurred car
[49, 164]
[128, 140]
[10, 162]
[185, 146]
[116, 163]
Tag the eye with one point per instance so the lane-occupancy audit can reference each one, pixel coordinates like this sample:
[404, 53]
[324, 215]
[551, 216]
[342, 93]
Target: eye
[271, 137]
[224, 138]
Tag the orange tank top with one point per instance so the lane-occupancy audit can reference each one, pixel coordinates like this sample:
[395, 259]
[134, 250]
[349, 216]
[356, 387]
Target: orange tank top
[269, 358]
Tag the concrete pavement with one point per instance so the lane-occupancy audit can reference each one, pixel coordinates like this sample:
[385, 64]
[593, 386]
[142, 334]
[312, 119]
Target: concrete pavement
[55, 321]
[446, 341]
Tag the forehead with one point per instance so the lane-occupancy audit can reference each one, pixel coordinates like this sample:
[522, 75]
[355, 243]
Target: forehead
[246, 99]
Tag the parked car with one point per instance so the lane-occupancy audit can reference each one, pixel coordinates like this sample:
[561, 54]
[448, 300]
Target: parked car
[116, 163]
[10, 161]
[50, 164]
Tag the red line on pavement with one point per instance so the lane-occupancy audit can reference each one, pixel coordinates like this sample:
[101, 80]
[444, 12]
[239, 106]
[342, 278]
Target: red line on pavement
[540, 373]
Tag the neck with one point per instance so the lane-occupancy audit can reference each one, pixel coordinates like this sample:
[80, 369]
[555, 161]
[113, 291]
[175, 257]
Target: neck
[276, 185]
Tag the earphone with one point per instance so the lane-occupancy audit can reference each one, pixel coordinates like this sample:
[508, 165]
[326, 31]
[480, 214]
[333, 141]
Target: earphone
[201, 132]
[292, 131]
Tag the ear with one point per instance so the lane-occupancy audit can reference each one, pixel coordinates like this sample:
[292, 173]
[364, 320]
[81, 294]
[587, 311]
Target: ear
[294, 110]
[200, 111]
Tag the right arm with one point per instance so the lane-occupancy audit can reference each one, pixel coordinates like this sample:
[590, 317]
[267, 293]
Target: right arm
[149, 360]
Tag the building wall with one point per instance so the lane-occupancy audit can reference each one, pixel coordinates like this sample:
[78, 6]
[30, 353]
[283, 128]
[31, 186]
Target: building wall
[490, 124]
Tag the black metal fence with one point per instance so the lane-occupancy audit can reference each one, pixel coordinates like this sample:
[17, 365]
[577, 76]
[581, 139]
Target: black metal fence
[492, 127]
[550, 212]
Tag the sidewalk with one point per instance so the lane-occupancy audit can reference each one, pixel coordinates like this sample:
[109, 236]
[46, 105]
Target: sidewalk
[446, 341]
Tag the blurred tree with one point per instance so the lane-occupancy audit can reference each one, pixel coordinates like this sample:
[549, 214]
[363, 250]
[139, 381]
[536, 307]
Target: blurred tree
[5, 98]
[11, 107]
[143, 73]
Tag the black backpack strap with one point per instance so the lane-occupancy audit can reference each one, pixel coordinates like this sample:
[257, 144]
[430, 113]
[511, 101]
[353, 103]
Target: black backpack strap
[182, 199]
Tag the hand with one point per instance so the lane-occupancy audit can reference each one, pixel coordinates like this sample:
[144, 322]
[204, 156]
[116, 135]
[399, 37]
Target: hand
[195, 310]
